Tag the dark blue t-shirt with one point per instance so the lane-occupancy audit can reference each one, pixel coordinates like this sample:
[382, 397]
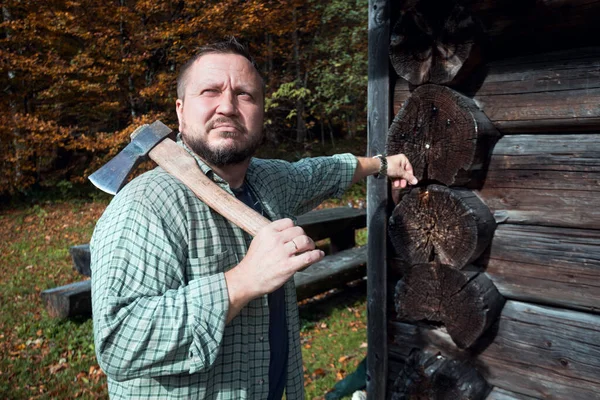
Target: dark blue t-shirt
[278, 339]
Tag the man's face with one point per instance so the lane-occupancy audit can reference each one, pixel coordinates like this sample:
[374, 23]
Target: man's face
[221, 114]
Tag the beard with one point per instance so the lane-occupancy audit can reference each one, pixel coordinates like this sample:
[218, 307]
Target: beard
[222, 156]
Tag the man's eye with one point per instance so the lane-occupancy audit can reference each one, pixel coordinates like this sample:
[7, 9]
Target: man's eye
[209, 91]
[245, 95]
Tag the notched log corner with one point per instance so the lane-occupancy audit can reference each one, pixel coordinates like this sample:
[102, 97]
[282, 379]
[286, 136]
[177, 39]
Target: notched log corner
[427, 375]
[466, 302]
[436, 223]
[444, 135]
[433, 40]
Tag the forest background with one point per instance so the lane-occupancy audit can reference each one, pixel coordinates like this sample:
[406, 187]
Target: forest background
[78, 76]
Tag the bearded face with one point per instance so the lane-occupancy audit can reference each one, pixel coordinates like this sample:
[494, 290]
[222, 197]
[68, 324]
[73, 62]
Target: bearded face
[221, 115]
[239, 148]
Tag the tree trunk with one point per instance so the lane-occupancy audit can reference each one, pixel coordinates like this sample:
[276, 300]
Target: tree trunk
[435, 223]
[300, 123]
[443, 134]
[431, 41]
[18, 147]
[466, 302]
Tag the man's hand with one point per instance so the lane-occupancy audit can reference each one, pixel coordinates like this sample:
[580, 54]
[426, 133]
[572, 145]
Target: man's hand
[400, 171]
[275, 254]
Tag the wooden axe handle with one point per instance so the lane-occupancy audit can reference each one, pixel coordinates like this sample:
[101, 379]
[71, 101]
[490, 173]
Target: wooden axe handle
[182, 165]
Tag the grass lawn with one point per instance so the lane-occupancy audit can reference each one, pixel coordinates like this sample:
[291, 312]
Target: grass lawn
[45, 358]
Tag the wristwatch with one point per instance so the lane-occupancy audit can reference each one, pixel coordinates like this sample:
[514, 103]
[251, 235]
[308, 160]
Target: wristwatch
[382, 166]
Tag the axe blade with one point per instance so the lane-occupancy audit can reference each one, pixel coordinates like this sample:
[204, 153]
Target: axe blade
[112, 176]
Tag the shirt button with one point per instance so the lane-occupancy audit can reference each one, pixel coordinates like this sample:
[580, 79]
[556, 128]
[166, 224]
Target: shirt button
[261, 381]
[260, 339]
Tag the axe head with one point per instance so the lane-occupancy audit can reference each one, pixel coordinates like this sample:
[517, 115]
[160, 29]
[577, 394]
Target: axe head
[111, 177]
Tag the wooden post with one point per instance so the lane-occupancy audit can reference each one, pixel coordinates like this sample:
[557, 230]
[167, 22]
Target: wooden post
[379, 106]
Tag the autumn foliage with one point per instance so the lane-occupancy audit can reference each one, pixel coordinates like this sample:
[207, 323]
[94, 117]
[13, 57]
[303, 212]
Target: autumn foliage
[79, 75]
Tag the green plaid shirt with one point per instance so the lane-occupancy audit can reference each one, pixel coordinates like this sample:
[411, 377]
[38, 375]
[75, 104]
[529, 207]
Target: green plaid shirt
[159, 295]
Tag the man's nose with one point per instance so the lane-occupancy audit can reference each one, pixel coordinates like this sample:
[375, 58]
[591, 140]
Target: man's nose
[227, 103]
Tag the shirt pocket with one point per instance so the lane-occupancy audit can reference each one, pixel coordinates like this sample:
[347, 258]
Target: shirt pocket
[211, 264]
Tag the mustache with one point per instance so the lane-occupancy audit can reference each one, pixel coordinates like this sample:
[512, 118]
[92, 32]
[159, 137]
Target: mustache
[224, 120]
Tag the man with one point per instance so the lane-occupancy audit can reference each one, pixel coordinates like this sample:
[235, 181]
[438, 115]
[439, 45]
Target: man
[187, 305]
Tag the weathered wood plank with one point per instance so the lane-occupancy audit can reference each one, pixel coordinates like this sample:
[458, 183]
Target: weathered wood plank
[550, 208]
[502, 394]
[554, 266]
[378, 120]
[544, 179]
[69, 301]
[331, 272]
[559, 94]
[542, 352]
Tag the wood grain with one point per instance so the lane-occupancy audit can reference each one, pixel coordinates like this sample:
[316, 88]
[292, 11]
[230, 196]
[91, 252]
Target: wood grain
[543, 352]
[553, 92]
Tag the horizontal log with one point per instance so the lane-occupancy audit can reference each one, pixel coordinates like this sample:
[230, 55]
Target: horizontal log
[69, 301]
[522, 27]
[544, 180]
[548, 265]
[542, 352]
[554, 92]
[502, 394]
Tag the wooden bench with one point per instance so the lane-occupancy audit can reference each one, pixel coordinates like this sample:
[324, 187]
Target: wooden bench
[343, 263]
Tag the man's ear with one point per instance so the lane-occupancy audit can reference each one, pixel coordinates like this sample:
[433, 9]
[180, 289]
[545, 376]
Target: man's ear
[179, 111]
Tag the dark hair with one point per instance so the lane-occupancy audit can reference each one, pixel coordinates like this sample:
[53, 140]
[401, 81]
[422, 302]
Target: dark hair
[227, 46]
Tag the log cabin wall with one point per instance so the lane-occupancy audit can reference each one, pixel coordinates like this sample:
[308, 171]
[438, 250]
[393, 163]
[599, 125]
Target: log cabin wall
[490, 288]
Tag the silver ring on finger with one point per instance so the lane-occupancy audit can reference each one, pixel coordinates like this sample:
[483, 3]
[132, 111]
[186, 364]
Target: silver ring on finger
[295, 246]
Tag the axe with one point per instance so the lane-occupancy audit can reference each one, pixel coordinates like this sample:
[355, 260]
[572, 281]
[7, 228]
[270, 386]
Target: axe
[152, 140]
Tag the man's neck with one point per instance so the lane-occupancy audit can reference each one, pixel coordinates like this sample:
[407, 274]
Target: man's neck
[234, 174]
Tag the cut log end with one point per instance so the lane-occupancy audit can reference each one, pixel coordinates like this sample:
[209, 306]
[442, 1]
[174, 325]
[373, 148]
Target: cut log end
[431, 41]
[436, 223]
[443, 133]
[428, 375]
[467, 303]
